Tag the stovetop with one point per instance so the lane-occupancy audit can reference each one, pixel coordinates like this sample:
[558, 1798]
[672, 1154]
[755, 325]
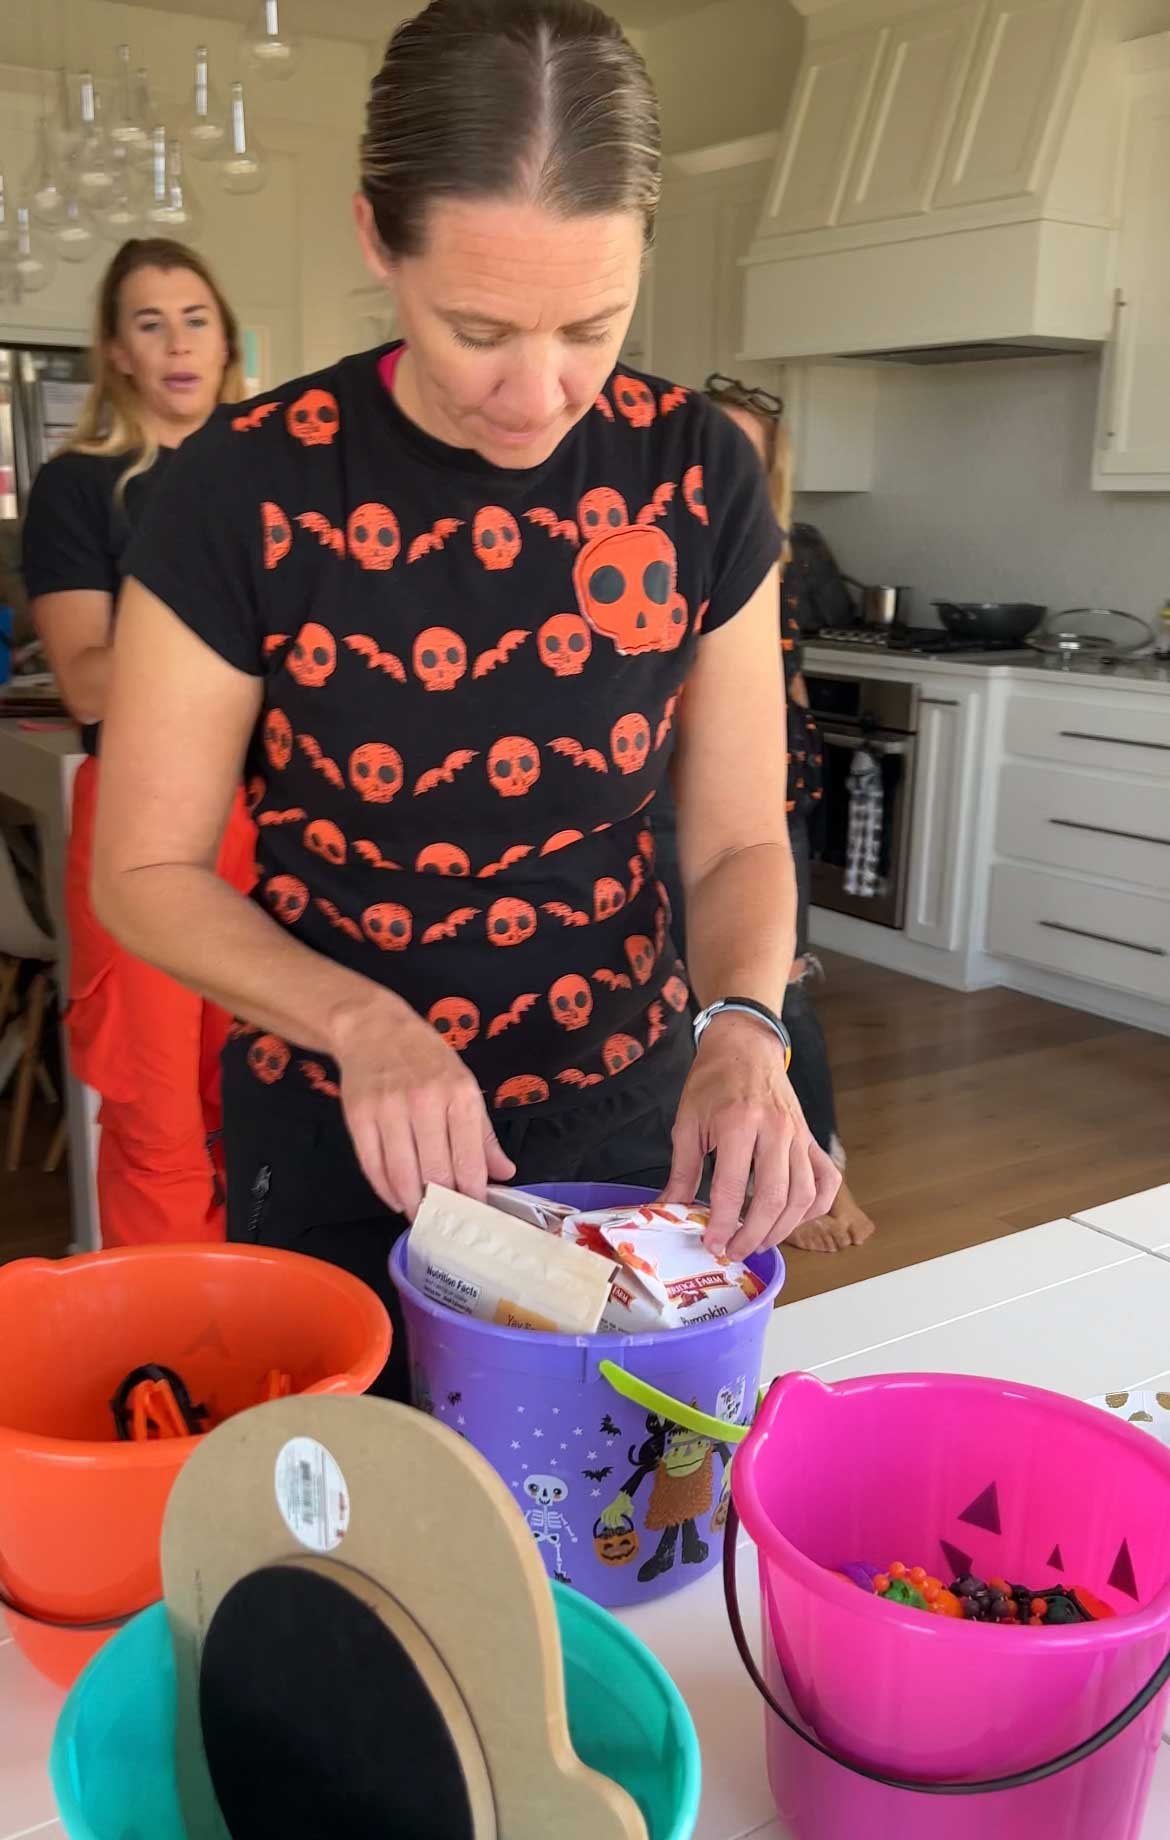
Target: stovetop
[919, 641]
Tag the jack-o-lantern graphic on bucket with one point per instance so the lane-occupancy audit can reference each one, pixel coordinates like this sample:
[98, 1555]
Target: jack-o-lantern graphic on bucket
[615, 1541]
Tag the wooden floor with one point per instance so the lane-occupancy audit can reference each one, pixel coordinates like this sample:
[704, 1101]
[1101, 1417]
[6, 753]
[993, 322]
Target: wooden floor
[965, 1118]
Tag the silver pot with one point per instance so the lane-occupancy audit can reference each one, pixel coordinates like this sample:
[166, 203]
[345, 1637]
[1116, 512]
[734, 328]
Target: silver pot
[879, 606]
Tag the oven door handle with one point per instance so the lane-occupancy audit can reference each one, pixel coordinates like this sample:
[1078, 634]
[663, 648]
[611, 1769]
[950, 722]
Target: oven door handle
[833, 737]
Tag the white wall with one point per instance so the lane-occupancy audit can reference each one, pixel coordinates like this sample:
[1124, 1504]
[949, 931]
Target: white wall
[982, 493]
[725, 71]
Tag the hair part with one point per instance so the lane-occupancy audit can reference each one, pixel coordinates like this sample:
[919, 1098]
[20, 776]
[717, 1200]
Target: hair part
[540, 100]
[111, 420]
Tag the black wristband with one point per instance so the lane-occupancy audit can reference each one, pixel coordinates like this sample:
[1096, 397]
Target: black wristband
[744, 1006]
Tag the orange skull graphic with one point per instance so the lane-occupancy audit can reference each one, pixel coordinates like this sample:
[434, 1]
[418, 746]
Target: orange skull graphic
[456, 1019]
[625, 584]
[564, 643]
[388, 926]
[268, 1058]
[373, 536]
[609, 897]
[495, 536]
[440, 658]
[522, 1089]
[630, 743]
[287, 896]
[571, 1002]
[620, 1052]
[277, 533]
[676, 993]
[513, 766]
[646, 848]
[313, 418]
[443, 859]
[640, 952]
[313, 656]
[277, 738]
[375, 772]
[510, 922]
[601, 510]
[324, 839]
[635, 400]
[694, 493]
[676, 626]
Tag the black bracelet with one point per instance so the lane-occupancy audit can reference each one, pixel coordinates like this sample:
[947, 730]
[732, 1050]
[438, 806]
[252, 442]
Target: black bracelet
[744, 1006]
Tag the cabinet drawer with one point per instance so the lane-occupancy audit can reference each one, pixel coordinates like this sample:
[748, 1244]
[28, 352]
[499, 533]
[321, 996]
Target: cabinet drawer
[1111, 828]
[1116, 733]
[1103, 935]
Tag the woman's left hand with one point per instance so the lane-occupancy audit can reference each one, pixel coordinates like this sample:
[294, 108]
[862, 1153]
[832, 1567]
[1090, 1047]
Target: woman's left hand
[738, 1105]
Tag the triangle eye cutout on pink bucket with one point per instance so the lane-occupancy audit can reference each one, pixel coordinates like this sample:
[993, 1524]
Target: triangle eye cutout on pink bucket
[1121, 1578]
[984, 1511]
[959, 1561]
[1056, 1559]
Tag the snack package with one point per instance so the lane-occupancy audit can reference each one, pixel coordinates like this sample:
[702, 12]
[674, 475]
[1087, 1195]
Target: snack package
[535, 1209]
[484, 1263]
[666, 1277]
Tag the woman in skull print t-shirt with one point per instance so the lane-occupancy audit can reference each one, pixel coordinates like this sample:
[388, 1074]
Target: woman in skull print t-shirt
[447, 598]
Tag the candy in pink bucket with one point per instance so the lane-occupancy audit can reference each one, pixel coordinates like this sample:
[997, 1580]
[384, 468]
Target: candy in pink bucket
[666, 1276]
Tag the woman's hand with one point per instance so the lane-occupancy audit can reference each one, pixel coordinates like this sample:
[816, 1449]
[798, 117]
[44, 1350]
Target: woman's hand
[738, 1104]
[414, 1112]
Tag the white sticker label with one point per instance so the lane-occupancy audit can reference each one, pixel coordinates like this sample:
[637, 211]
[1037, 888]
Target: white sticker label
[311, 1494]
[729, 1405]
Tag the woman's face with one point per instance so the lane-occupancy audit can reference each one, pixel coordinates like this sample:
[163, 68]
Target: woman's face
[513, 319]
[171, 342]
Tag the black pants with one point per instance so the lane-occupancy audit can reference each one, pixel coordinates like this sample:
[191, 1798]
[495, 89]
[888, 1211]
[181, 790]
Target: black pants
[812, 1081]
[294, 1181]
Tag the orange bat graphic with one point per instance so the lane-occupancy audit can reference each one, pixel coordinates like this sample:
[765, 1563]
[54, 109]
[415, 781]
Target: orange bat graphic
[255, 792]
[664, 726]
[613, 980]
[573, 1076]
[701, 616]
[318, 1079]
[570, 916]
[370, 853]
[375, 657]
[447, 929]
[500, 654]
[659, 504]
[293, 815]
[434, 538]
[273, 643]
[672, 399]
[330, 536]
[336, 918]
[312, 747]
[648, 800]
[657, 1024]
[239, 1028]
[637, 877]
[602, 404]
[580, 756]
[444, 775]
[515, 854]
[511, 1017]
[556, 527]
[243, 424]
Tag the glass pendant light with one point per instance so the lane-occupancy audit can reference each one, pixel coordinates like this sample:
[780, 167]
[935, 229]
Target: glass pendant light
[75, 238]
[242, 170]
[172, 210]
[43, 185]
[7, 225]
[268, 49]
[65, 122]
[130, 112]
[205, 123]
[122, 216]
[93, 172]
[32, 263]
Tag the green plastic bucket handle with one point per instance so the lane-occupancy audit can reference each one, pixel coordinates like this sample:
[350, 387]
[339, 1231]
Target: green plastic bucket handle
[689, 1417]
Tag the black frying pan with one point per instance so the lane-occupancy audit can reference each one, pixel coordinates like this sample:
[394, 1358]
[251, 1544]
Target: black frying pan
[990, 619]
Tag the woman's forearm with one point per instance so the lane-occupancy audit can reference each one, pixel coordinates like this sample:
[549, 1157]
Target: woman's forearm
[189, 923]
[85, 683]
[741, 926]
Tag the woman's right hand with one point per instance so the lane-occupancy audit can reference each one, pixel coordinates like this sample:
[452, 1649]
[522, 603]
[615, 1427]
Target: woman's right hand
[413, 1110]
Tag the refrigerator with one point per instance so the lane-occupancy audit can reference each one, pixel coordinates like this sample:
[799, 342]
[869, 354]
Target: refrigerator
[41, 393]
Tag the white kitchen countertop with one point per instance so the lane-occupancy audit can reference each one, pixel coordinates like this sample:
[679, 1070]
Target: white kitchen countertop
[1140, 1220]
[1023, 667]
[1074, 1305]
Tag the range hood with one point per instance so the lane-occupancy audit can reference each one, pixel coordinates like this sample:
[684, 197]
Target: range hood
[944, 190]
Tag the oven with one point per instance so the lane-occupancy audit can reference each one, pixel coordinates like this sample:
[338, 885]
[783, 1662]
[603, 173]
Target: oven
[881, 716]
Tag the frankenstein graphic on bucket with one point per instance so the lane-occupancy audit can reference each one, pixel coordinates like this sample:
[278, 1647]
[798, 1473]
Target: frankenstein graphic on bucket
[615, 1447]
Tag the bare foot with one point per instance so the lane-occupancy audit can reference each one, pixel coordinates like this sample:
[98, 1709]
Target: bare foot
[846, 1224]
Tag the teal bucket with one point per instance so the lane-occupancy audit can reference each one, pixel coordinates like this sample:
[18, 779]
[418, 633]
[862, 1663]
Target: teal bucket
[113, 1764]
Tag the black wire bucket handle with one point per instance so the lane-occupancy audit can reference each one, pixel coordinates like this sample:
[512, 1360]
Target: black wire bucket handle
[1022, 1779]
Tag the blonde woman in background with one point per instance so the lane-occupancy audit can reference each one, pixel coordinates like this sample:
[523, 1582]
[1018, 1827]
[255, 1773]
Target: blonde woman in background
[759, 414]
[165, 352]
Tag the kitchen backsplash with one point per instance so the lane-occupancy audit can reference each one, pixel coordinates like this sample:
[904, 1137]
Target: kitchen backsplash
[981, 492]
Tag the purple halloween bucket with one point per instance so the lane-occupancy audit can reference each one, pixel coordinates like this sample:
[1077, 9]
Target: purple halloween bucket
[622, 1503]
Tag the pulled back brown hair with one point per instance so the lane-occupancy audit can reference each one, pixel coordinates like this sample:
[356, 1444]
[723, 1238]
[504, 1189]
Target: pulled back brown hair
[544, 100]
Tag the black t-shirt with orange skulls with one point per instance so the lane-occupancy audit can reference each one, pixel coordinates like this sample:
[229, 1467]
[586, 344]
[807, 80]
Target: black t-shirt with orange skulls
[471, 677]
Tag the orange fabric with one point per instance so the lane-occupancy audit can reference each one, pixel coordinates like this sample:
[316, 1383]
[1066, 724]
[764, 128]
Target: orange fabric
[151, 1049]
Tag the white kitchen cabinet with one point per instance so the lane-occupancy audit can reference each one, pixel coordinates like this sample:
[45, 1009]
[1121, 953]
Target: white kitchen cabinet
[911, 112]
[949, 725]
[831, 411]
[1133, 434]
[1083, 929]
[1091, 823]
[823, 130]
